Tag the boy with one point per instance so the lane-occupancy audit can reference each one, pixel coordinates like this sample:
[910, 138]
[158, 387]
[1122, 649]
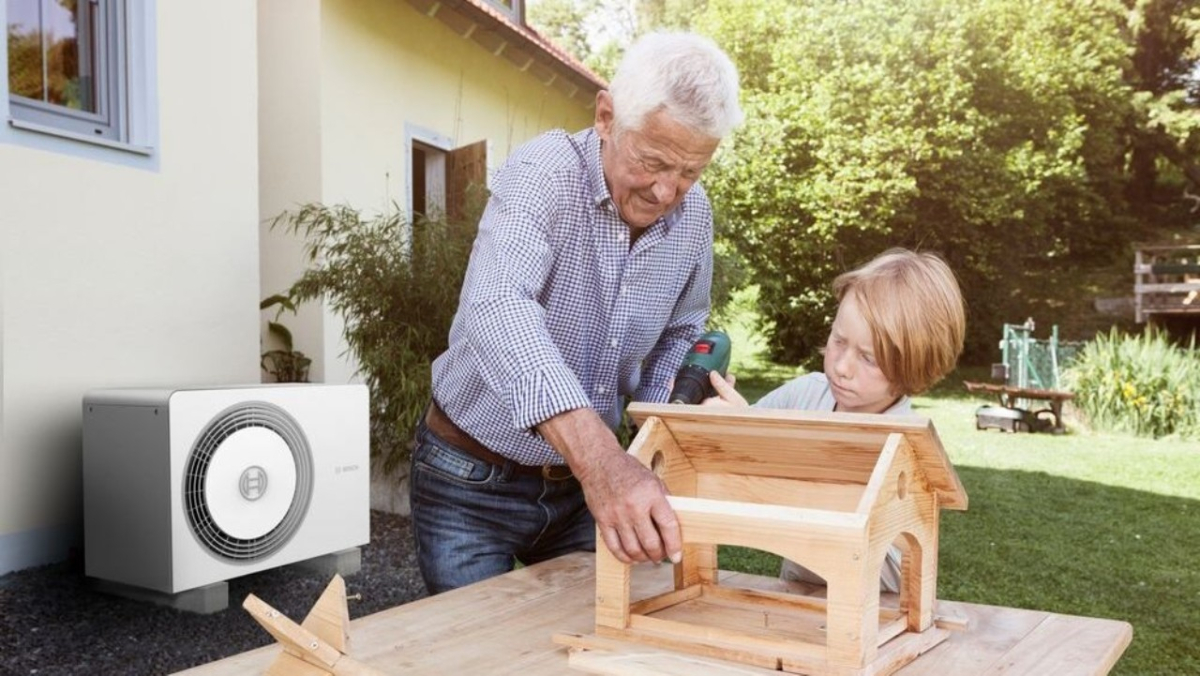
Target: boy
[898, 331]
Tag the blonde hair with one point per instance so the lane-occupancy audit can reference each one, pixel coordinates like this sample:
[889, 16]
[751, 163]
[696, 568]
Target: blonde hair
[914, 307]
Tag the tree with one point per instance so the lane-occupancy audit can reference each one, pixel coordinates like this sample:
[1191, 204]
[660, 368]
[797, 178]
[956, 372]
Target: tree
[594, 31]
[1164, 71]
[986, 131]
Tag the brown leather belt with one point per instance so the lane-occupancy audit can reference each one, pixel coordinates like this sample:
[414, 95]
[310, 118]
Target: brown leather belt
[441, 425]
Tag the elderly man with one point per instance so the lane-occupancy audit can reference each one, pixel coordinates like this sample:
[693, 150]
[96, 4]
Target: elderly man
[588, 282]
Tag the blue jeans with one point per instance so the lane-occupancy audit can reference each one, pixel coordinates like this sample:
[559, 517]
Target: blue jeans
[472, 520]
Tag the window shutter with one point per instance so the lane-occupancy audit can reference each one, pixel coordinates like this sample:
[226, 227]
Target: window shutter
[466, 177]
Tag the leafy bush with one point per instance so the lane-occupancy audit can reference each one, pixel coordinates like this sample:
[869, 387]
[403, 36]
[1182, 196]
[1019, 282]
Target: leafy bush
[285, 364]
[1139, 384]
[397, 289]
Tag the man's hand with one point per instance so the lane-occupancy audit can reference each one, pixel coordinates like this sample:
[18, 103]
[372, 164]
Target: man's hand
[726, 395]
[628, 502]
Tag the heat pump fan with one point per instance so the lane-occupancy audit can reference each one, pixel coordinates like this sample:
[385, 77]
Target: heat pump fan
[187, 487]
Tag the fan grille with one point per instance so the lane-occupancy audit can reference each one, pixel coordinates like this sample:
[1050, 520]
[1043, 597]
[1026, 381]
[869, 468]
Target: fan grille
[242, 416]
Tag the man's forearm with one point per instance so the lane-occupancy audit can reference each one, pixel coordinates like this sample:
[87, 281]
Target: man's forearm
[628, 502]
[581, 438]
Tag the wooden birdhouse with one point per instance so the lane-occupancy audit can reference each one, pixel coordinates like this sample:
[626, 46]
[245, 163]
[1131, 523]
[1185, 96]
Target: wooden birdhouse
[830, 491]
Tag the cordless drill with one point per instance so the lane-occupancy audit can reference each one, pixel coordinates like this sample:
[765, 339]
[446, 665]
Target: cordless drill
[709, 353]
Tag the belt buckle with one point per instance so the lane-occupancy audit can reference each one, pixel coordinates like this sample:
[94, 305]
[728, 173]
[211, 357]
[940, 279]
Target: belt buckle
[556, 472]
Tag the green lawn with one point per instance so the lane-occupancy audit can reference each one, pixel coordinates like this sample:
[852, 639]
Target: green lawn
[1082, 523]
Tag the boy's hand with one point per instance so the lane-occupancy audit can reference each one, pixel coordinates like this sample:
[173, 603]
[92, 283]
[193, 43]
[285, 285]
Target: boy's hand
[726, 395]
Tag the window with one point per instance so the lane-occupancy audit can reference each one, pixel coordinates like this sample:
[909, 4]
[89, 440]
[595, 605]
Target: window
[443, 181]
[67, 65]
[513, 9]
[428, 176]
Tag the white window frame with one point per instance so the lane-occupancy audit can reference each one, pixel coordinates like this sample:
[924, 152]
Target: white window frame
[125, 119]
[516, 12]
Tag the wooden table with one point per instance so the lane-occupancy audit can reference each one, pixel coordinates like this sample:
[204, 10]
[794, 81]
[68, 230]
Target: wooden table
[504, 626]
[1010, 396]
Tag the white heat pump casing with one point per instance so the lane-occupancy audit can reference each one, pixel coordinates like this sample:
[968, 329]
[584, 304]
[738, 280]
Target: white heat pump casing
[255, 501]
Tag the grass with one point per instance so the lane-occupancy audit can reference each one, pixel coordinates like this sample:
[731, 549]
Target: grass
[1083, 523]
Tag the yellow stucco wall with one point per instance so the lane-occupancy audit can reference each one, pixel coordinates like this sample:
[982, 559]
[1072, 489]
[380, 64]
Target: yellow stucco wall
[118, 274]
[386, 69]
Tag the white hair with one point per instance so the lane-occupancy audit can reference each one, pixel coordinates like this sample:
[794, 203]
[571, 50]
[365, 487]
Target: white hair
[685, 75]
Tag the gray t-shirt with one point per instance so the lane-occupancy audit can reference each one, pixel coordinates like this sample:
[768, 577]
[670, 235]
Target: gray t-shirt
[810, 392]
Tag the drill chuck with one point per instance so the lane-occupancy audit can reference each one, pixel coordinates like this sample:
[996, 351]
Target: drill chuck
[709, 353]
[691, 385]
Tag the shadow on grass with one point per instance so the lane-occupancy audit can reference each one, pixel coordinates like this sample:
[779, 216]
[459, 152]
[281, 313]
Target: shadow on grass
[1033, 540]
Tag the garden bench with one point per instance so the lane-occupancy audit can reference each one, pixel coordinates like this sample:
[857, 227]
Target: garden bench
[1009, 395]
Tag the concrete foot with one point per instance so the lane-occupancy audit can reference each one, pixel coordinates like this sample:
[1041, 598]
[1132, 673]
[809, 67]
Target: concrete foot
[211, 598]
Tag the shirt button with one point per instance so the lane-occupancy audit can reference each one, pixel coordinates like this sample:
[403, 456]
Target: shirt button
[624, 289]
[600, 389]
[614, 343]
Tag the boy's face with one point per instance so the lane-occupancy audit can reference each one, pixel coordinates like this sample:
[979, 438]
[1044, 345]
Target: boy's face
[858, 384]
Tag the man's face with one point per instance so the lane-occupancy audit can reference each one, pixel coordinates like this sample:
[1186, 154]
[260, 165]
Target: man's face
[649, 170]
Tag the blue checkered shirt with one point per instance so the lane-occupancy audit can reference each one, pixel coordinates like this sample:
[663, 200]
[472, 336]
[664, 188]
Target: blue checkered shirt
[558, 312]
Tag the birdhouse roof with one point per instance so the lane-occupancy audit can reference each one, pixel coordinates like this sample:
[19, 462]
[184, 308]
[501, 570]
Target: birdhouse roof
[815, 446]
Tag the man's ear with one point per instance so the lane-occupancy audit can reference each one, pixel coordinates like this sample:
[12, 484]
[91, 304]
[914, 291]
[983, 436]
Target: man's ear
[604, 114]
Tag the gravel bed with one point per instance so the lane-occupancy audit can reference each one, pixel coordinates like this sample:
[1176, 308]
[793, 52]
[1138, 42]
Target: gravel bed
[52, 622]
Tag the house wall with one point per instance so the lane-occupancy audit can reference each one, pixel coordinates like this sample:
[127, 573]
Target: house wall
[385, 70]
[289, 118]
[120, 273]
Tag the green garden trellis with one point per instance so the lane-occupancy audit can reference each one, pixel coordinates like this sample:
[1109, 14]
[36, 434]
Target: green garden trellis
[1027, 362]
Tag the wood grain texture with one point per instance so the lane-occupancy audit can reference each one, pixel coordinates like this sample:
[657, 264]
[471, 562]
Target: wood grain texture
[833, 447]
[504, 627]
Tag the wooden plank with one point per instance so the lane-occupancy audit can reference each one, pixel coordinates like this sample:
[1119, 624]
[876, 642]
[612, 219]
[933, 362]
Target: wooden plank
[833, 447]
[814, 535]
[765, 599]
[504, 627]
[887, 456]
[993, 632]
[329, 618]
[1066, 646]
[612, 587]
[1182, 287]
[654, 440]
[763, 648]
[837, 497]
[904, 650]
[776, 623]
[599, 655]
[299, 641]
[672, 598]
[948, 614]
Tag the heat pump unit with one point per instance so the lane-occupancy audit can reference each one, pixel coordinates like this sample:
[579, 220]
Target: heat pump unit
[187, 487]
